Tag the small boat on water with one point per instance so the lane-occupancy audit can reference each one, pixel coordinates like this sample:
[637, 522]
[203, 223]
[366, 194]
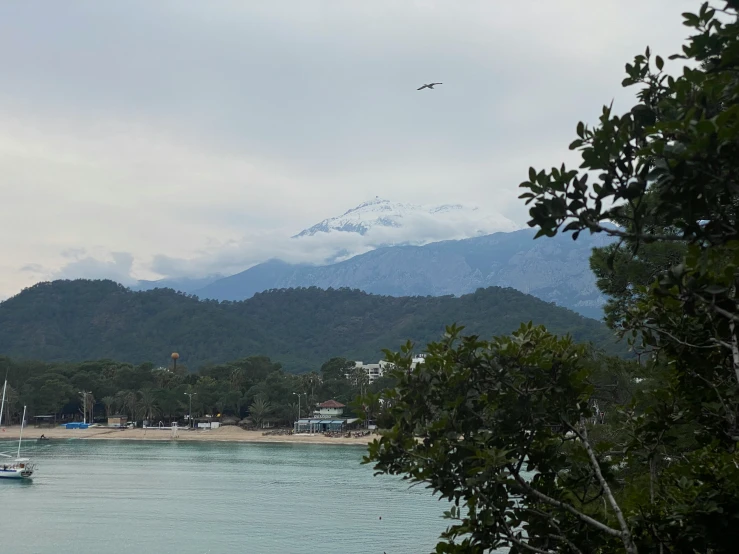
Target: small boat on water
[17, 468]
[14, 467]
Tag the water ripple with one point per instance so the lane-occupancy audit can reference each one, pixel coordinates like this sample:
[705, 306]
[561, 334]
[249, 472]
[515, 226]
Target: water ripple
[197, 497]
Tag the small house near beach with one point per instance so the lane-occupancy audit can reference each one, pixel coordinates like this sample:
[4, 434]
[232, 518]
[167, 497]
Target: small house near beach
[45, 421]
[329, 409]
[117, 421]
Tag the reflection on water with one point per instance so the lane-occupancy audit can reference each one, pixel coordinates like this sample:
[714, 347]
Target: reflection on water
[185, 497]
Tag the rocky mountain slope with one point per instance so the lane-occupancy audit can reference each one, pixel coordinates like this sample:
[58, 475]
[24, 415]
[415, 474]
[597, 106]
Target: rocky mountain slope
[554, 270]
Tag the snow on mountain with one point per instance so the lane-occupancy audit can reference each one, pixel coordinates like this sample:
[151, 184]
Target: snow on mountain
[374, 224]
[554, 270]
[395, 222]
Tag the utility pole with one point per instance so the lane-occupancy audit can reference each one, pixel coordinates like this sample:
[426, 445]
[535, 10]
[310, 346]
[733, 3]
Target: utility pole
[298, 394]
[190, 394]
[84, 394]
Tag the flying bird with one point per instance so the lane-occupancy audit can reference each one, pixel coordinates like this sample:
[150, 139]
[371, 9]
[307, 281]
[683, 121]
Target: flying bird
[430, 85]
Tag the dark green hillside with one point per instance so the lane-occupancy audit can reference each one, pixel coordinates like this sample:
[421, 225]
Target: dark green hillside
[83, 320]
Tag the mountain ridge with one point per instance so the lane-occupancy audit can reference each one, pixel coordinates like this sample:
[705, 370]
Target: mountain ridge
[84, 320]
[554, 270]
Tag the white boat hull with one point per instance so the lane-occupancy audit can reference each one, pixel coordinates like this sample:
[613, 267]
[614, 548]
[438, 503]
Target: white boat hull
[15, 473]
[20, 468]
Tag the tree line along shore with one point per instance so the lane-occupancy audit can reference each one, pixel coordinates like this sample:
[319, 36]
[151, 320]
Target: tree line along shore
[254, 392]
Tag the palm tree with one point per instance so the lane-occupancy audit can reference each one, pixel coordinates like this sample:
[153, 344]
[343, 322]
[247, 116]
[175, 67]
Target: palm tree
[170, 403]
[309, 382]
[236, 378]
[230, 400]
[127, 401]
[259, 410]
[293, 408]
[359, 378]
[220, 405]
[109, 403]
[147, 403]
[110, 372]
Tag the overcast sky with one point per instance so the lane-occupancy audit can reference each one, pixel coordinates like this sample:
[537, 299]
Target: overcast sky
[198, 132]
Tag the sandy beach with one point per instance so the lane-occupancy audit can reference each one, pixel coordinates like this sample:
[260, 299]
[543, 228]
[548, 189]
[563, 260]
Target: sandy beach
[223, 434]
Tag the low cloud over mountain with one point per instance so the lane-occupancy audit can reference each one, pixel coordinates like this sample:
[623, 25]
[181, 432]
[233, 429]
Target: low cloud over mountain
[370, 225]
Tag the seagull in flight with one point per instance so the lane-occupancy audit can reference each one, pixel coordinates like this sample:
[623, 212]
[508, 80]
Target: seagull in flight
[430, 85]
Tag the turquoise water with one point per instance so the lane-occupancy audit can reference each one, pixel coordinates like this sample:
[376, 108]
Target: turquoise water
[176, 497]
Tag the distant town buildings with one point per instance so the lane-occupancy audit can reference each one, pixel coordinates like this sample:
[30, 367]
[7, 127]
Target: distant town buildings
[329, 415]
[375, 371]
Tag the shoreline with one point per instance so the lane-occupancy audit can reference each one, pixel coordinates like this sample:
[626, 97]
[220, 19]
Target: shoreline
[222, 434]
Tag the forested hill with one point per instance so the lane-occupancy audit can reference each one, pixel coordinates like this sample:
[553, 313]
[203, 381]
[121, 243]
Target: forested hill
[85, 320]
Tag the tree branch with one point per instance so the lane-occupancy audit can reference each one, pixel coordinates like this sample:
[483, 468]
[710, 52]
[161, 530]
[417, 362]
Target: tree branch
[719, 310]
[553, 522]
[563, 506]
[734, 350]
[568, 542]
[625, 531]
[715, 389]
[636, 236]
[525, 451]
[677, 340]
[511, 537]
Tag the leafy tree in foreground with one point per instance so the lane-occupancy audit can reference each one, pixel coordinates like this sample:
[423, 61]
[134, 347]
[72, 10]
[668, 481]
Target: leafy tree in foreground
[506, 430]
[479, 417]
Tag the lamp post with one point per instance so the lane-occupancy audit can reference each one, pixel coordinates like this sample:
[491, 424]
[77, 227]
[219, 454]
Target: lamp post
[84, 404]
[297, 422]
[190, 394]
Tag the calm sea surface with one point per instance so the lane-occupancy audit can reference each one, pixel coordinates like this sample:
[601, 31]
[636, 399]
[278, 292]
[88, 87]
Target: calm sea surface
[166, 498]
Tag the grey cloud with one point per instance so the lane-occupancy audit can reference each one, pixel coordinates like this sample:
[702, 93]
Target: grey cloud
[327, 83]
[417, 228]
[73, 253]
[33, 268]
[171, 129]
[118, 268]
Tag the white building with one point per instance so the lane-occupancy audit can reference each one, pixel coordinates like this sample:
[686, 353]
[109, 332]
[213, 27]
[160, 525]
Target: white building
[331, 409]
[375, 371]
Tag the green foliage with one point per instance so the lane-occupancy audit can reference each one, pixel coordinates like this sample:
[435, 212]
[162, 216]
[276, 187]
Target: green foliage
[485, 424]
[336, 368]
[669, 167]
[83, 320]
[256, 387]
[259, 410]
[507, 430]
[625, 269]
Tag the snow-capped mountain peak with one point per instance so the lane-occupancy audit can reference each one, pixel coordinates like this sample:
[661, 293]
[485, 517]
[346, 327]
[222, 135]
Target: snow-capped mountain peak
[411, 223]
[360, 219]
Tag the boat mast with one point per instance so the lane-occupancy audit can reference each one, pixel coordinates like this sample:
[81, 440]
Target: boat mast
[2, 405]
[21, 437]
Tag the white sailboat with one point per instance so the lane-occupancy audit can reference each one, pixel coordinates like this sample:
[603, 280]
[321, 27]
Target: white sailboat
[14, 467]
